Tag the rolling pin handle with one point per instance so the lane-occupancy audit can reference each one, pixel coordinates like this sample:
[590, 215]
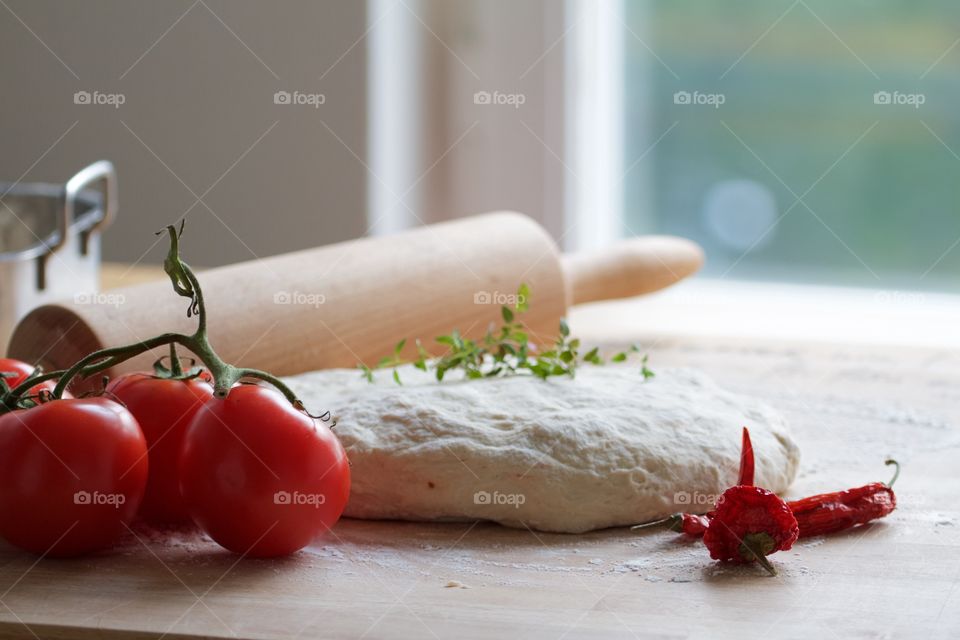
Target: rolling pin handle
[630, 268]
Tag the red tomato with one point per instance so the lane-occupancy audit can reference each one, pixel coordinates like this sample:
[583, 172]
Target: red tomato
[72, 474]
[9, 365]
[22, 369]
[163, 407]
[260, 477]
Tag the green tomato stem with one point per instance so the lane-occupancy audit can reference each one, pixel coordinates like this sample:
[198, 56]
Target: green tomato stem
[176, 371]
[106, 358]
[186, 284]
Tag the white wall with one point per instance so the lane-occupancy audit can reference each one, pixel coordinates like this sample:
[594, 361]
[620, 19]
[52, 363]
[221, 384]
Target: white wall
[474, 157]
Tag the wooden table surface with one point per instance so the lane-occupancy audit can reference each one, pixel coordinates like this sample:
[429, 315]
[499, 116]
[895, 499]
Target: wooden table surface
[114, 275]
[850, 407]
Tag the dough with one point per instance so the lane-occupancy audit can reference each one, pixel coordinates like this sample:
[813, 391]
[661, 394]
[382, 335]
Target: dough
[569, 455]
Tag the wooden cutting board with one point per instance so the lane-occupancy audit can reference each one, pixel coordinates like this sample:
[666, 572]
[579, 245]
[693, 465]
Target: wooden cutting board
[850, 407]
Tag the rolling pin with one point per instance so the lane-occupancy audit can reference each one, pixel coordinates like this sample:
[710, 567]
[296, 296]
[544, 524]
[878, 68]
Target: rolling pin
[351, 302]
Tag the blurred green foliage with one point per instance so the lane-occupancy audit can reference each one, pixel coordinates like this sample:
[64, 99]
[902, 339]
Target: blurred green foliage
[798, 81]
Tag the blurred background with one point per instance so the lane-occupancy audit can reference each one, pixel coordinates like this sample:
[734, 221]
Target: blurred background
[796, 140]
[831, 158]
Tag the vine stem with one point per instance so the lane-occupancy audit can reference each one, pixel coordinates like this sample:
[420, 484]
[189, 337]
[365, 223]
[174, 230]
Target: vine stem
[176, 370]
[186, 284]
[106, 358]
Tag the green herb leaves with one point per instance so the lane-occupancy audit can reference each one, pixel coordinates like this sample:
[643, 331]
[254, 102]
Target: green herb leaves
[504, 352]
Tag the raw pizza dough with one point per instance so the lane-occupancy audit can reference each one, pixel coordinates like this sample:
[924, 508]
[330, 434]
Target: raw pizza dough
[569, 455]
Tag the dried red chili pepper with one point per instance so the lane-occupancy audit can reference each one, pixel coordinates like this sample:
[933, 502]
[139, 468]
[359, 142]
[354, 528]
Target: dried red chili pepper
[826, 512]
[746, 460]
[815, 515]
[688, 523]
[832, 512]
[748, 524]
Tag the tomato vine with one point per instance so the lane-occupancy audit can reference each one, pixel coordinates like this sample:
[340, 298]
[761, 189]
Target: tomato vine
[185, 284]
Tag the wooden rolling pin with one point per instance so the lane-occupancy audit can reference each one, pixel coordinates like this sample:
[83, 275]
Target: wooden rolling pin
[351, 302]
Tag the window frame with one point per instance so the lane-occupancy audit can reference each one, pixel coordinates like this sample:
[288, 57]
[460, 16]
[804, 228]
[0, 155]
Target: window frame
[412, 79]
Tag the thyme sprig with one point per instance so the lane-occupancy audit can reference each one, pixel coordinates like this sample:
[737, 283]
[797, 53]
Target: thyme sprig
[506, 351]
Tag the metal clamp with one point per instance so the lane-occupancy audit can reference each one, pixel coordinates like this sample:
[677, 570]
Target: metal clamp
[100, 171]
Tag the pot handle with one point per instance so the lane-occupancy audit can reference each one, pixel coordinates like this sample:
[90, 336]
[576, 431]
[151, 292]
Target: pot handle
[100, 171]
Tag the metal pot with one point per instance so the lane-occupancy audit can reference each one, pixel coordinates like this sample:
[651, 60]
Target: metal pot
[50, 240]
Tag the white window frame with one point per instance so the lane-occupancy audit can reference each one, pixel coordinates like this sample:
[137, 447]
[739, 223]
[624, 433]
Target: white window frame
[579, 175]
[595, 122]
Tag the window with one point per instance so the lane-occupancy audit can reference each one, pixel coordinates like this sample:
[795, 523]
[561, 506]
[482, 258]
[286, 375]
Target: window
[803, 140]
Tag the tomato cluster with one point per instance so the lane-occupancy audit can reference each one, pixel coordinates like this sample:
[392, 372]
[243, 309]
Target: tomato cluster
[244, 462]
[261, 477]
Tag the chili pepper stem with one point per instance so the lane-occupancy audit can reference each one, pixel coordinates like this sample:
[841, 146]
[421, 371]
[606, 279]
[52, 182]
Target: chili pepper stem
[670, 522]
[756, 546]
[896, 473]
[766, 564]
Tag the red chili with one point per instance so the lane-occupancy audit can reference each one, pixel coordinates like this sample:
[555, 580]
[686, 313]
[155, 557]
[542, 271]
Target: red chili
[749, 524]
[733, 539]
[688, 523]
[832, 512]
[746, 460]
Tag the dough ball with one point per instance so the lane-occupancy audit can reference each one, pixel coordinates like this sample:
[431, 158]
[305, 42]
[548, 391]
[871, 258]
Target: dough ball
[604, 449]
